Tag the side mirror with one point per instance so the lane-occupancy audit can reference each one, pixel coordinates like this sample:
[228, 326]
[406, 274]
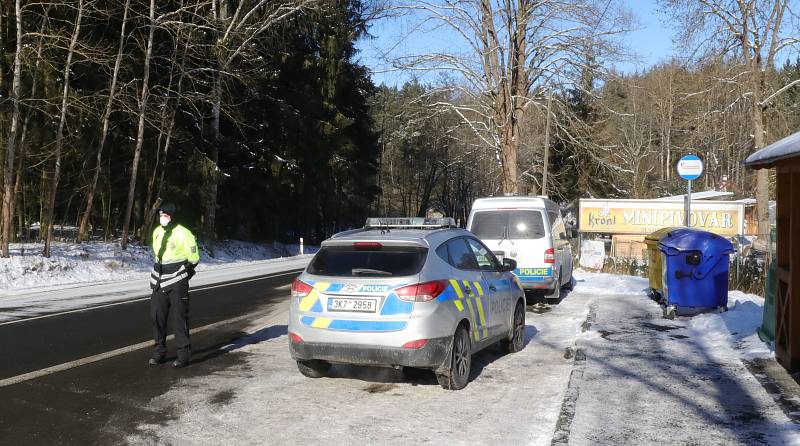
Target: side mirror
[509, 264]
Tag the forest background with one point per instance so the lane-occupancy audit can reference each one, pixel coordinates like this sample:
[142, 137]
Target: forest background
[258, 119]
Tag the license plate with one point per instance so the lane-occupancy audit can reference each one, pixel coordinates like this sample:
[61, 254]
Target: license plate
[360, 305]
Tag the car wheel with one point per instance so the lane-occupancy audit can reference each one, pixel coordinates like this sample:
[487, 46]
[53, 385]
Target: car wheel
[517, 340]
[460, 362]
[313, 368]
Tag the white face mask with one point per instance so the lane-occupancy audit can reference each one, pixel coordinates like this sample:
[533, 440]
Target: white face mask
[164, 220]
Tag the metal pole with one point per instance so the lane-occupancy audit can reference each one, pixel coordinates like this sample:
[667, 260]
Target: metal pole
[688, 204]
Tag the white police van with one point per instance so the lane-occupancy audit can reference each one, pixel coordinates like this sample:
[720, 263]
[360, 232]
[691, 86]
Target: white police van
[531, 231]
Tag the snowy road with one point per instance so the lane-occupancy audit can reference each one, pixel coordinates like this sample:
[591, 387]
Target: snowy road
[602, 367]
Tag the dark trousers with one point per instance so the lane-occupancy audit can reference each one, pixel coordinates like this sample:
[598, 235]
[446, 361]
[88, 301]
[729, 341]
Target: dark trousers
[173, 303]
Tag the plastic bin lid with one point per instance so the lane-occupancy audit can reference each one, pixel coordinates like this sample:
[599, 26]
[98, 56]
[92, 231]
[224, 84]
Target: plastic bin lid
[687, 239]
[655, 236]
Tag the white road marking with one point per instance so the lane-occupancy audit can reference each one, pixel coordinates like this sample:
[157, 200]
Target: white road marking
[124, 302]
[110, 354]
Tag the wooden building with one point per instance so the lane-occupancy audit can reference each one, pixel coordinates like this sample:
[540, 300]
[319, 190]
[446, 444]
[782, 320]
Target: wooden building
[784, 157]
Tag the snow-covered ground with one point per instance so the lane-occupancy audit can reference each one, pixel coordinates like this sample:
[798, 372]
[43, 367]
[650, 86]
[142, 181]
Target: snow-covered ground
[97, 262]
[602, 367]
[91, 274]
[648, 380]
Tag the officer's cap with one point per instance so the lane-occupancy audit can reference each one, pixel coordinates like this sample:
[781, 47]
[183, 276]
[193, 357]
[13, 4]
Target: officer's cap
[168, 208]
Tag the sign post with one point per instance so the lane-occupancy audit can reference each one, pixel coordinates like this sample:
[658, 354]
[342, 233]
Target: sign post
[690, 167]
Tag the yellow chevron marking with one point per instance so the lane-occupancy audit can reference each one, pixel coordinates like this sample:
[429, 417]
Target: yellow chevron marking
[483, 317]
[321, 322]
[479, 288]
[472, 319]
[459, 293]
[322, 286]
[459, 305]
[467, 286]
[307, 302]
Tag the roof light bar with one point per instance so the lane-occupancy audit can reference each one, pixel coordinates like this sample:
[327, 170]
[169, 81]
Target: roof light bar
[411, 222]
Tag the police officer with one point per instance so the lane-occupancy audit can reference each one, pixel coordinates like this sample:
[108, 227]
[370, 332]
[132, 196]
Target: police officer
[176, 256]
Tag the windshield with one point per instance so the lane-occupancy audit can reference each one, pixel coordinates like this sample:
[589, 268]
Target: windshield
[510, 224]
[387, 261]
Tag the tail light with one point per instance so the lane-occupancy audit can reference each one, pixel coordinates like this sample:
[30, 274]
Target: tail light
[550, 255]
[419, 343]
[300, 288]
[421, 292]
[295, 338]
[367, 246]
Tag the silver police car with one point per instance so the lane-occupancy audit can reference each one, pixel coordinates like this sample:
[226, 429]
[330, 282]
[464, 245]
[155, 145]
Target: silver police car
[407, 292]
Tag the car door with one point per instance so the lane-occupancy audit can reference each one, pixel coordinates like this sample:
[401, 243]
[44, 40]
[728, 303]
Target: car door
[496, 287]
[564, 249]
[468, 285]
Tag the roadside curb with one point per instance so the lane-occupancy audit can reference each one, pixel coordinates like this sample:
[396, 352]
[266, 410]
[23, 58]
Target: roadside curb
[777, 382]
[567, 413]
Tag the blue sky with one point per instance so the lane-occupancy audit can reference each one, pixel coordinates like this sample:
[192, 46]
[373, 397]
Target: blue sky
[652, 42]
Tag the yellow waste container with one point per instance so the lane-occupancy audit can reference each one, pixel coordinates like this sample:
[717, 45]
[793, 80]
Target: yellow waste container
[654, 260]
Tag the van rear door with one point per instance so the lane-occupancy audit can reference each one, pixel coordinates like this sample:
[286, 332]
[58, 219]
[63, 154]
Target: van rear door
[519, 234]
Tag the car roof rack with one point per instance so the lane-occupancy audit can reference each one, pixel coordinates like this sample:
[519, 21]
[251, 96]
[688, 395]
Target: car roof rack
[410, 223]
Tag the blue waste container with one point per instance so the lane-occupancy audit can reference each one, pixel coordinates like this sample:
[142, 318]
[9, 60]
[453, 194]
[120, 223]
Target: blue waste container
[695, 269]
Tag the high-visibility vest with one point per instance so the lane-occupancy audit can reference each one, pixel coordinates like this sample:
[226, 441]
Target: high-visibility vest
[173, 247]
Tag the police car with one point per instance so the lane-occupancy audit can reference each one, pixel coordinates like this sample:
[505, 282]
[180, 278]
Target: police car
[404, 292]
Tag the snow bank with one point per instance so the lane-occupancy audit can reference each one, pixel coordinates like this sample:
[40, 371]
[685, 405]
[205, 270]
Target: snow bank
[97, 262]
[735, 328]
[71, 263]
[609, 284]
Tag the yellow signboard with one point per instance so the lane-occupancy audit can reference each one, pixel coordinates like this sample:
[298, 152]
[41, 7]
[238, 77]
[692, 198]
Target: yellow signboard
[646, 216]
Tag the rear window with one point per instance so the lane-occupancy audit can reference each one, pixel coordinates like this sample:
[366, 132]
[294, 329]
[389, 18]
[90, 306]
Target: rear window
[514, 225]
[388, 261]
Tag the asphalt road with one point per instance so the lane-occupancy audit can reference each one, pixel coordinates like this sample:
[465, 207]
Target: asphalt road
[66, 407]
[39, 343]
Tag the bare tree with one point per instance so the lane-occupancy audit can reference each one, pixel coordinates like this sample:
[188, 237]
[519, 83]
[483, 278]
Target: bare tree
[755, 32]
[112, 90]
[508, 55]
[28, 114]
[235, 34]
[8, 175]
[137, 151]
[59, 144]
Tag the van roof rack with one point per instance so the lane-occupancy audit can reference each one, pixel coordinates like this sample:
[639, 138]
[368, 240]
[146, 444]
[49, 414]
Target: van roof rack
[410, 223]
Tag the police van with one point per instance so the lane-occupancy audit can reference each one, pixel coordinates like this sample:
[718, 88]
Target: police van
[531, 231]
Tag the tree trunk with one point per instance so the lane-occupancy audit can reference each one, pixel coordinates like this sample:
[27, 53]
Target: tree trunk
[762, 175]
[509, 160]
[60, 133]
[84, 225]
[546, 161]
[212, 179]
[140, 134]
[28, 114]
[8, 176]
[161, 163]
